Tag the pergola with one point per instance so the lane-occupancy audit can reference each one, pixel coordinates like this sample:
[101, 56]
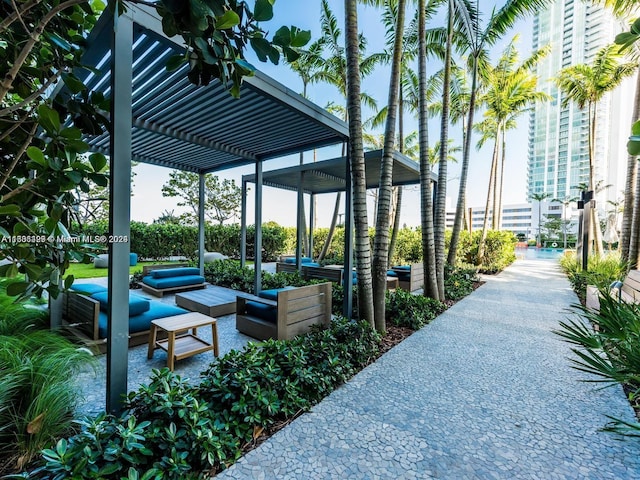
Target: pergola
[331, 176]
[159, 117]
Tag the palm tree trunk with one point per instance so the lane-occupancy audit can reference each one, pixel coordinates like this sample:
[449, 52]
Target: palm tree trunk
[356, 157]
[504, 157]
[485, 221]
[595, 233]
[396, 215]
[441, 198]
[464, 172]
[630, 187]
[634, 239]
[494, 210]
[396, 225]
[385, 189]
[426, 202]
[334, 218]
[332, 228]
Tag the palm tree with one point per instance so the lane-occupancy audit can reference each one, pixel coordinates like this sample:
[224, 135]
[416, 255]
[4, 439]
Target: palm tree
[362, 248]
[566, 201]
[308, 66]
[631, 214]
[426, 204]
[441, 194]
[334, 72]
[511, 88]
[475, 41]
[586, 85]
[381, 240]
[539, 197]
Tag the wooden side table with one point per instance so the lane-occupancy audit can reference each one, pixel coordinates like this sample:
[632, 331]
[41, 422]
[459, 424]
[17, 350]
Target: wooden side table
[392, 283]
[182, 336]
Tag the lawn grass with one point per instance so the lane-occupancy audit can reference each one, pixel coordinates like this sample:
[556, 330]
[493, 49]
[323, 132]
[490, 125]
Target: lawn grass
[87, 270]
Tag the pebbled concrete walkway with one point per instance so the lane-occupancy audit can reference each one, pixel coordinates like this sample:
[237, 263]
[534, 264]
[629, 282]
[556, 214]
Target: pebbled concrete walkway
[485, 391]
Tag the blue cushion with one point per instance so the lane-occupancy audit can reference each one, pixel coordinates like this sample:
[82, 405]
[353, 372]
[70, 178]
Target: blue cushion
[142, 322]
[133, 259]
[305, 260]
[137, 304]
[402, 267]
[260, 310]
[88, 288]
[173, 281]
[273, 293]
[175, 272]
[391, 273]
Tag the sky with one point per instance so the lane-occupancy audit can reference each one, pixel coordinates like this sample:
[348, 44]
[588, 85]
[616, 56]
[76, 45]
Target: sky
[279, 206]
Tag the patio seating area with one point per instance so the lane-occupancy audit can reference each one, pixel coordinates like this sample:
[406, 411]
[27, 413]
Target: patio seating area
[91, 383]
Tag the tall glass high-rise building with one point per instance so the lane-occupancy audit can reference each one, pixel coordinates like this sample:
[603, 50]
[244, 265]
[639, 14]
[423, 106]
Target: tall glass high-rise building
[558, 136]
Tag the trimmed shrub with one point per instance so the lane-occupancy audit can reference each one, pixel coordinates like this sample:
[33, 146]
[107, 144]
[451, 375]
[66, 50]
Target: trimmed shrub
[172, 430]
[404, 309]
[160, 241]
[458, 282]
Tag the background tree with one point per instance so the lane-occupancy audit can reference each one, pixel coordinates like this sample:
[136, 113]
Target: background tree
[630, 231]
[334, 72]
[586, 85]
[511, 88]
[222, 198]
[168, 217]
[475, 40]
[426, 203]
[566, 202]
[540, 197]
[362, 247]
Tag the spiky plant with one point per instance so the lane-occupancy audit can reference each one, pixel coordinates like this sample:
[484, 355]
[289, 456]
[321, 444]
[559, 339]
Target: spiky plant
[36, 401]
[610, 353]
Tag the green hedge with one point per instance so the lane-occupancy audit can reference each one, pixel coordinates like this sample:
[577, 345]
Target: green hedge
[160, 241]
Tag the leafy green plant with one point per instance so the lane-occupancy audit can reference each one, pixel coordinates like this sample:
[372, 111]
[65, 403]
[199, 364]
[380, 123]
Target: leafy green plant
[404, 309]
[36, 402]
[172, 430]
[458, 281]
[601, 272]
[610, 354]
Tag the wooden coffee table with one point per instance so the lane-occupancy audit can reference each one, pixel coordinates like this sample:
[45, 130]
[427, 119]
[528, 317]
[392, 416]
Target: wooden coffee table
[182, 336]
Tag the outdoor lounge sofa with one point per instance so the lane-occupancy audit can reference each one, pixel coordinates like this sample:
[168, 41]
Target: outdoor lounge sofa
[160, 279]
[283, 313]
[84, 310]
[410, 277]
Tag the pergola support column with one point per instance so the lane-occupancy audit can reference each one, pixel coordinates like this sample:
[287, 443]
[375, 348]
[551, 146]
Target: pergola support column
[201, 181]
[299, 222]
[347, 308]
[119, 211]
[257, 263]
[243, 226]
[312, 212]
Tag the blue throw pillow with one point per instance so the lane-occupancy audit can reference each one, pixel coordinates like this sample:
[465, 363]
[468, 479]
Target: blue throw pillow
[175, 272]
[137, 304]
